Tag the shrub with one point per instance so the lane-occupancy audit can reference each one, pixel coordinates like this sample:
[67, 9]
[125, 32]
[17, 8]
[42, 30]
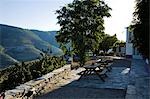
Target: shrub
[21, 73]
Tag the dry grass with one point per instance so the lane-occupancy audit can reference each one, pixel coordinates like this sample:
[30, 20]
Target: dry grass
[76, 65]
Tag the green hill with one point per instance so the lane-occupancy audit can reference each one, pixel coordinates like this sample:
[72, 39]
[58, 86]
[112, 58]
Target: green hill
[19, 44]
[6, 60]
[48, 36]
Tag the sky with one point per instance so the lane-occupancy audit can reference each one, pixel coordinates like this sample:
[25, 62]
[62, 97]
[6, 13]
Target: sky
[40, 15]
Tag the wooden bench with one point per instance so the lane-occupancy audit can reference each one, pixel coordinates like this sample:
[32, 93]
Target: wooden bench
[90, 69]
[107, 64]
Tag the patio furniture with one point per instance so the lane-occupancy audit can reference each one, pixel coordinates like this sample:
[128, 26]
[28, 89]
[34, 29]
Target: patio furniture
[90, 69]
[107, 64]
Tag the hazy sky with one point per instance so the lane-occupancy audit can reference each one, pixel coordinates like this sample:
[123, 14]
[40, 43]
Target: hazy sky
[40, 14]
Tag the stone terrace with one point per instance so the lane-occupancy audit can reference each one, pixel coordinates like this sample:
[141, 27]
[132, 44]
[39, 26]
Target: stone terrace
[139, 86]
[91, 87]
[129, 79]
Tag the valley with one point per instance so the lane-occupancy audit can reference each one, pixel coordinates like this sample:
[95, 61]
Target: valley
[19, 45]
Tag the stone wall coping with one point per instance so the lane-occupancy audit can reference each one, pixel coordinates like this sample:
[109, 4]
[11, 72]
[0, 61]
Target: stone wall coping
[36, 83]
[14, 92]
[61, 69]
[33, 83]
[23, 86]
[47, 76]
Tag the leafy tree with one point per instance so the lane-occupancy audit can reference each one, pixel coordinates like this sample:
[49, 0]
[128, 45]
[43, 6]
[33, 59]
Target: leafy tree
[107, 42]
[82, 25]
[141, 27]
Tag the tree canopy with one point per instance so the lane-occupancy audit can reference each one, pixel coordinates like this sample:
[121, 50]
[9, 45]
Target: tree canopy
[141, 27]
[107, 42]
[82, 24]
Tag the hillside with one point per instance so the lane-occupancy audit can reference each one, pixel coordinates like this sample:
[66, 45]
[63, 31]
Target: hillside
[48, 36]
[19, 44]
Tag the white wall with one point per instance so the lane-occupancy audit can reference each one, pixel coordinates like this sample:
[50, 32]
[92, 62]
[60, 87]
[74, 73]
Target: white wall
[129, 49]
[129, 45]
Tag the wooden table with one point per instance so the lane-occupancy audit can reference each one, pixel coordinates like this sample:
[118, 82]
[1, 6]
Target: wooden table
[90, 69]
[107, 64]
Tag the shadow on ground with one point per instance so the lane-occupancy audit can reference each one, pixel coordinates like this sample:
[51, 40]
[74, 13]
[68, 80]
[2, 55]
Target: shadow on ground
[91, 87]
[121, 63]
[84, 93]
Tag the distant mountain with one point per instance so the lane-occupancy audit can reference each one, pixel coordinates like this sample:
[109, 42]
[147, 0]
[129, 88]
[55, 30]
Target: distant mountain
[48, 36]
[17, 44]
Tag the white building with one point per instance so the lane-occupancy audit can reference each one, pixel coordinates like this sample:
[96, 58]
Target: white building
[131, 51]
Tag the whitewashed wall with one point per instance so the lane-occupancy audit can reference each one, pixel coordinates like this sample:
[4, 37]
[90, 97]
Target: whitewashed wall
[129, 49]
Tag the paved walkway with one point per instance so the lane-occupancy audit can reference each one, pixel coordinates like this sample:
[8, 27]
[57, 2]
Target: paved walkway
[116, 80]
[91, 87]
[139, 86]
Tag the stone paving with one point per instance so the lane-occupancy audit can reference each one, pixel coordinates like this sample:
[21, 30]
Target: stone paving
[139, 86]
[122, 83]
[91, 87]
[116, 80]
[84, 93]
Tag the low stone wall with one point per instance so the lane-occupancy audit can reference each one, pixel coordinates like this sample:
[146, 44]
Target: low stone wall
[39, 85]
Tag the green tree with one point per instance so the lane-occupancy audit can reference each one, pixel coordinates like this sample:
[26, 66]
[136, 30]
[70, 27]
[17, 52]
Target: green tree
[107, 42]
[82, 24]
[141, 27]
